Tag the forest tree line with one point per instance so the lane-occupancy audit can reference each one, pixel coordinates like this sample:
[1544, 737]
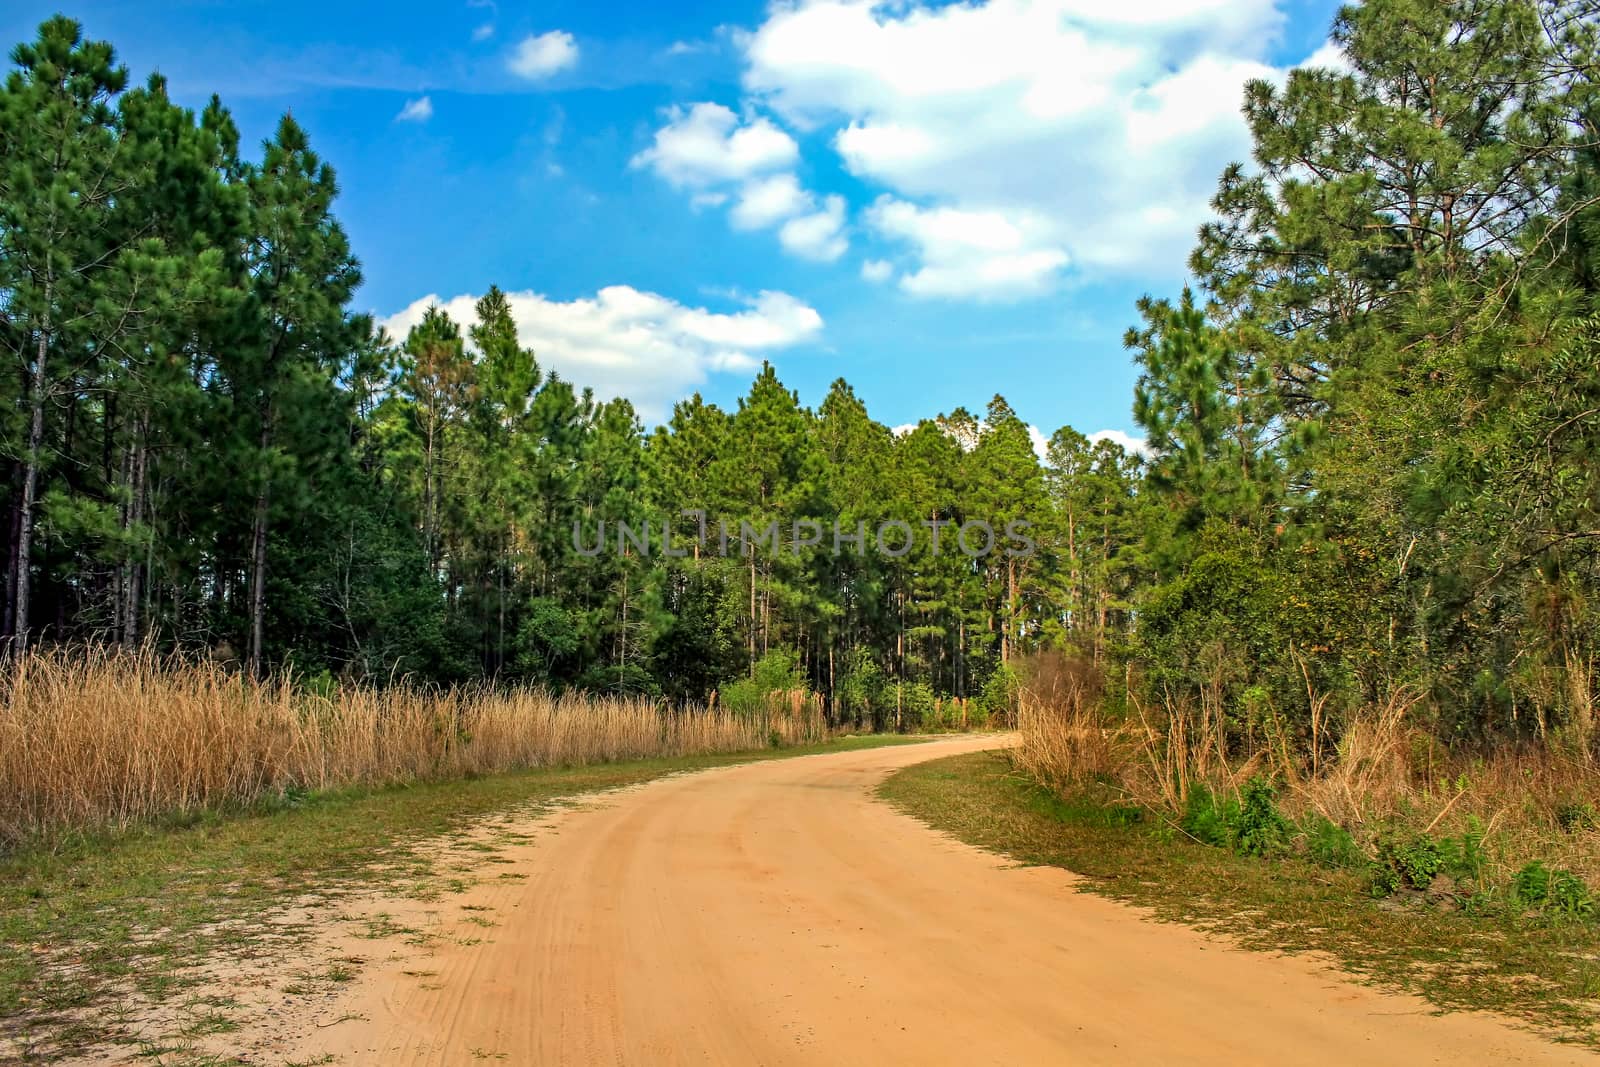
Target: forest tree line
[1373, 424]
[208, 450]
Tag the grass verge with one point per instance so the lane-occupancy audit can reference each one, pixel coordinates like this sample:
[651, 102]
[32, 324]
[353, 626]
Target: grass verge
[89, 924]
[1547, 975]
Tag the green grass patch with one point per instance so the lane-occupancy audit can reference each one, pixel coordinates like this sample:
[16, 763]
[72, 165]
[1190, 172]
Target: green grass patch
[85, 919]
[1543, 971]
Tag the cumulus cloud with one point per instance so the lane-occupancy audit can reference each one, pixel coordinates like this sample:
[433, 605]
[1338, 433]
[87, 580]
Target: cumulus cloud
[708, 145]
[767, 201]
[818, 235]
[418, 110]
[484, 32]
[711, 150]
[1016, 137]
[968, 253]
[541, 55]
[647, 347]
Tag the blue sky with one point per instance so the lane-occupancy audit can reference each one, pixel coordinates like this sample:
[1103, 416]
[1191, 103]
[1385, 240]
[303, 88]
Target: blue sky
[937, 202]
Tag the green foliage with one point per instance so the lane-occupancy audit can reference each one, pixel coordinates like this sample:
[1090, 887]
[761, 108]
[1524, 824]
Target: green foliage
[1209, 819]
[1000, 694]
[1330, 844]
[547, 637]
[775, 678]
[1409, 863]
[1260, 828]
[1552, 890]
[919, 706]
[1464, 856]
[862, 690]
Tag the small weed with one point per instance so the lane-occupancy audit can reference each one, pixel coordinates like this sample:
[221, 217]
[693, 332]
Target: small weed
[1575, 817]
[1553, 891]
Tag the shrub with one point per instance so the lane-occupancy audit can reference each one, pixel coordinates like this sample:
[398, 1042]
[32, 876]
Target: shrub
[1207, 819]
[777, 673]
[1330, 844]
[919, 707]
[1464, 856]
[1530, 887]
[1000, 694]
[1412, 863]
[1261, 829]
[860, 692]
[1553, 890]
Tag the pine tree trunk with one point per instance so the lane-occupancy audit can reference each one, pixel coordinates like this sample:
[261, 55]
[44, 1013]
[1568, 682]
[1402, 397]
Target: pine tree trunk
[258, 563]
[21, 584]
[132, 519]
[500, 636]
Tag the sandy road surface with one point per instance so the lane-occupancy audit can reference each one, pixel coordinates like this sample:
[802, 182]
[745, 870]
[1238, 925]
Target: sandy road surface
[775, 913]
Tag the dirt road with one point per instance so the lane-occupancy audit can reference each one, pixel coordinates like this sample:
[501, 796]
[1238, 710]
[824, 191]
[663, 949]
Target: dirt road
[775, 913]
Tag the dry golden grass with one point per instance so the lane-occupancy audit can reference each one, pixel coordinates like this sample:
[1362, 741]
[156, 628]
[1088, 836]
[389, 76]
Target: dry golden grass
[1375, 769]
[105, 739]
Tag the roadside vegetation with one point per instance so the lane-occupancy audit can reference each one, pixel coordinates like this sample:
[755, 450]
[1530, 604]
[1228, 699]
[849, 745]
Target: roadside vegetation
[1471, 940]
[92, 740]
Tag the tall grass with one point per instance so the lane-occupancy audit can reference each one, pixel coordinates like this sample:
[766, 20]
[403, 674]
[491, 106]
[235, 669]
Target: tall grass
[106, 739]
[1373, 770]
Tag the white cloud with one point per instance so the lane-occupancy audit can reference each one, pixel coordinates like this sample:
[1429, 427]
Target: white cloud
[541, 55]
[484, 32]
[710, 149]
[968, 253]
[418, 110]
[765, 202]
[876, 270]
[1130, 443]
[819, 235]
[647, 347]
[1022, 135]
[708, 145]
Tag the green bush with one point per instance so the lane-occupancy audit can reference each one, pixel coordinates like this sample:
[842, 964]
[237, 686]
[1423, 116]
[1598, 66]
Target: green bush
[1208, 819]
[1385, 880]
[1000, 694]
[861, 690]
[1412, 863]
[919, 706]
[1330, 844]
[775, 673]
[1464, 856]
[1553, 890]
[1261, 829]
